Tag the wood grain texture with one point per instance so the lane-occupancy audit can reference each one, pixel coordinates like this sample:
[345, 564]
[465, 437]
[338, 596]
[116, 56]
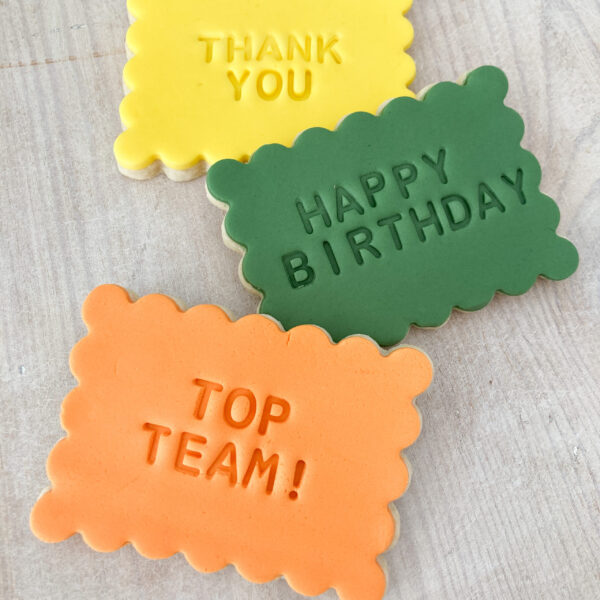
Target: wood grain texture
[504, 501]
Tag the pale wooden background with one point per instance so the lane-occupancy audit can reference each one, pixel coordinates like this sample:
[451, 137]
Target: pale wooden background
[504, 501]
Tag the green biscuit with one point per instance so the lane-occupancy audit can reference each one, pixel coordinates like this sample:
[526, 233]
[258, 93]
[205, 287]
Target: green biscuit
[395, 219]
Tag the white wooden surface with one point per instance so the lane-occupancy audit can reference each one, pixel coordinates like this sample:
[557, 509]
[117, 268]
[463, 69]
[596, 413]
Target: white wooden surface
[504, 501]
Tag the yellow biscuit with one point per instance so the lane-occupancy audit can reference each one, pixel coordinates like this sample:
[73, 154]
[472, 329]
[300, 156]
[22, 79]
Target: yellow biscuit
[211, 80]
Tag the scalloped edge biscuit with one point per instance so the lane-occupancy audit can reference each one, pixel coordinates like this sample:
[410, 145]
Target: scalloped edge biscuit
[199, 165]
[79, 500]
[420, 96]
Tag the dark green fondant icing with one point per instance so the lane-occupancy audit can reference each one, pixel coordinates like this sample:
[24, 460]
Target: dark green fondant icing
[395, 219]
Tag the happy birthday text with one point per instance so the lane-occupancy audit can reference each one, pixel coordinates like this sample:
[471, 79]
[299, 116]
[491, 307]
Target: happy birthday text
[449, 213]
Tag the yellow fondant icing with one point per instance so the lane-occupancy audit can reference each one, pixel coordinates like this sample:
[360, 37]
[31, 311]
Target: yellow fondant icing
[216, 79]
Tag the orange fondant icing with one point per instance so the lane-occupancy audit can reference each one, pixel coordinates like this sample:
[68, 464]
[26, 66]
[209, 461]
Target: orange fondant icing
[233, 442]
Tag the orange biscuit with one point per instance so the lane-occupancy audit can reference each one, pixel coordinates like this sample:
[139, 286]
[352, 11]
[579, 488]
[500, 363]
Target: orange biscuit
[233, 442]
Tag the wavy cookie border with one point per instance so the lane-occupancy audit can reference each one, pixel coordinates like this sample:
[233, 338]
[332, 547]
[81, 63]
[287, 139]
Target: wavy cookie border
[420, 96]
[200, 165]
[179, 306]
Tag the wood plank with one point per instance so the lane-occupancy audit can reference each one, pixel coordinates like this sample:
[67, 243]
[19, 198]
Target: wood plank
[504, 501]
